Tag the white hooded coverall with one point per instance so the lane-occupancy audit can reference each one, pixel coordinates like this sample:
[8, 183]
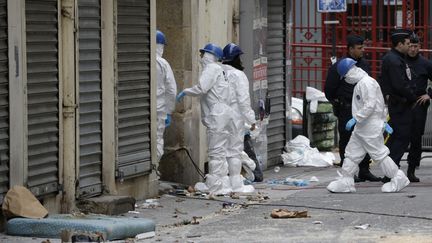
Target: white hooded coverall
[165, 96]
[243, 113]
[369, 110]
[216, 115]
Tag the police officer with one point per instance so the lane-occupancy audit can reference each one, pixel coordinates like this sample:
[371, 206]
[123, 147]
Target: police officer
[340, 93]
[398, 90]
[421, 71]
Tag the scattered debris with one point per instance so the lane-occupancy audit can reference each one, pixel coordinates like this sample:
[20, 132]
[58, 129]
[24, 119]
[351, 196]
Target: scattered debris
[20, 202]
[135, 212]
[193, 236]
[227, 204]
[195, 220]
[149, 203]
[190, 189]
[180, 211]
[146, 235]
[363, 226]
[289, 181]
[285, 213]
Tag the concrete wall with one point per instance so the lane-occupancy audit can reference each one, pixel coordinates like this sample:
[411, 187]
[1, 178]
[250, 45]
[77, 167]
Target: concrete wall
[189, 25]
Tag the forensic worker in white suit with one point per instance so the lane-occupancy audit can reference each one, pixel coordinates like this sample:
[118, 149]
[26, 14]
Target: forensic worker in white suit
[369, 121]
[216, 115]
[166, 92]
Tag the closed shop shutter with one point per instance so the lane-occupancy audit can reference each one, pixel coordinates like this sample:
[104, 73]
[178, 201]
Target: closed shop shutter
[277, 87]
[4, 102]
[90, 98]
[133, 59]
[42, 96]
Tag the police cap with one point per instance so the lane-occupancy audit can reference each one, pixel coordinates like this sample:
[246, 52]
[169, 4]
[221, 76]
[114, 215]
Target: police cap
[400, 35]
[354, 40]
[414, 38]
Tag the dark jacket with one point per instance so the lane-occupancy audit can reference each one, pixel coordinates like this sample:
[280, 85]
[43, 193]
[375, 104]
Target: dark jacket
[395, 81]
[336, 89]
[421, 71]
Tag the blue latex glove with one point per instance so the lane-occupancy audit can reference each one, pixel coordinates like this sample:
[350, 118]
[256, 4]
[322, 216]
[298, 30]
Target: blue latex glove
[388, 128]
[168, 120]
[349, 125]
[180, 96]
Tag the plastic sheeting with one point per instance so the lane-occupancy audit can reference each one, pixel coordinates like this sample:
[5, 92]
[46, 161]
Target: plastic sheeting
[313, 95]
[300, 153]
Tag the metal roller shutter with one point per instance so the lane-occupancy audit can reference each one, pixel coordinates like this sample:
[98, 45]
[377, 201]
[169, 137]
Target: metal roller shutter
[42, 96]
[4, 102]
[276, 77]
[133, 59]
[90, 98]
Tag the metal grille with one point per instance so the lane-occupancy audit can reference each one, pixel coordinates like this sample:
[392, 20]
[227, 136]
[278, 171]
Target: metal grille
[42, 96]
[372, 19]
[90, 98]
[4, 102]
[276, 75]
[133, 58]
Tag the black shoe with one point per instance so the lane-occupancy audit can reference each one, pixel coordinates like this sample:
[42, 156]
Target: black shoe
[357, 179]
[411, 175]
[385, 179]
[368, 176]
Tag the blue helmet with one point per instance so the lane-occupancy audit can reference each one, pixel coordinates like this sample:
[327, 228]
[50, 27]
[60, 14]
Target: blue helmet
[160, 37]
[344, 66]
[230, 52]
[213, 49]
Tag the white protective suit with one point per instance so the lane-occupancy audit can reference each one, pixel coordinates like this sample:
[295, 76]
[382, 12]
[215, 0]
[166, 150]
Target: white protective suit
[216, 115]
[243, 113]
[165, 96]
[369, 110]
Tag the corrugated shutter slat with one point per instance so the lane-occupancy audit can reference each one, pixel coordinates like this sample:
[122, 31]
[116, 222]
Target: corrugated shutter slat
[90, 98]
[42, 96]
[4, 102]
[133, 57]
[276, 39]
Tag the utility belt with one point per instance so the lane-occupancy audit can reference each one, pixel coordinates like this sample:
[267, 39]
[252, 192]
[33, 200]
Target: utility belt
[342, 104]
[395, 100]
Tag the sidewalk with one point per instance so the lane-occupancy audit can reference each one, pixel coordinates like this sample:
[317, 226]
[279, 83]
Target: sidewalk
[395, 217]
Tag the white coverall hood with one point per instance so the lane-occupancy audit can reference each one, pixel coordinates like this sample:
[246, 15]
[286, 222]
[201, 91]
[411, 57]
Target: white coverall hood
[207, 59]
[354, 75]
[159, 50]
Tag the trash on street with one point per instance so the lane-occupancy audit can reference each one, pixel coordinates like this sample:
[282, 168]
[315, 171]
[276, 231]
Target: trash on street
[363, 226]
[285, 213]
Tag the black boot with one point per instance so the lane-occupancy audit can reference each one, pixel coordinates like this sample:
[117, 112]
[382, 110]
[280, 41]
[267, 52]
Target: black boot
[357, 179]
[411, 174]
[385, 179]
[366, 175]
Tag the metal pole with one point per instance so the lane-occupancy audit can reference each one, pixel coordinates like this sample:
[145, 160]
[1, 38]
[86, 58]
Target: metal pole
[333, 17]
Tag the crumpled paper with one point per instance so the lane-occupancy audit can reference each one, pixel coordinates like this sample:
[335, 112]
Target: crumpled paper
[285, 213]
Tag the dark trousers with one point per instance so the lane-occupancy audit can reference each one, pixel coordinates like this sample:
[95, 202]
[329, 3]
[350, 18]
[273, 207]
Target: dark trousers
[344, 115]
[417, 131]
[401, 120]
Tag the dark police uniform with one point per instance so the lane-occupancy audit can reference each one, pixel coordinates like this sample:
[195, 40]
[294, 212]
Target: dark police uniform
[398, 90]
[421, 71]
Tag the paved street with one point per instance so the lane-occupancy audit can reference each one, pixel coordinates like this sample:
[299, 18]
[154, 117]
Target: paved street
[394, 217]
